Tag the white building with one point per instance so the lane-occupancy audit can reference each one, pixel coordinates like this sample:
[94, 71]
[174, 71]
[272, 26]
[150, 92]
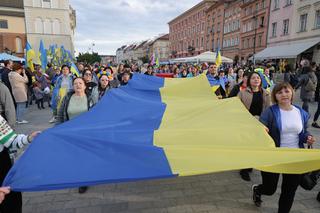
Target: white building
[53, 21]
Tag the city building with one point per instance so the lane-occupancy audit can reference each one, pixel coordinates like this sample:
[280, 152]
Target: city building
[52, 21]
[160, 48]
[187, 33]
[294, 31]
[254, 27]
[12, 27]
[119, 54]
[231, 30]
[214, 23]
[107, 59]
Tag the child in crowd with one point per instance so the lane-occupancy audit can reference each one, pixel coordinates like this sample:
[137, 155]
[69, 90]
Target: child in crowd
[39, 94]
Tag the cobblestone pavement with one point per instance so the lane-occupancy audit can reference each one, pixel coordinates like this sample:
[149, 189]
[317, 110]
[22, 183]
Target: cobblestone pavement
[220, 192]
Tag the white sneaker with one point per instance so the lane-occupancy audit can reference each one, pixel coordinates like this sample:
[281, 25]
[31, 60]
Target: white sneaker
[22, 122]
[53, 120]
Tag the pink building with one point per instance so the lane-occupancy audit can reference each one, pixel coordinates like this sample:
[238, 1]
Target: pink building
[280, 23]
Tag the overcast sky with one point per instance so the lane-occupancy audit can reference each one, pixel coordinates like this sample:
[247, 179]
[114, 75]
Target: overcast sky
[109, 24]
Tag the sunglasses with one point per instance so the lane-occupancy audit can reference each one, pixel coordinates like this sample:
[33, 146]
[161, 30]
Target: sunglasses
[88, 74]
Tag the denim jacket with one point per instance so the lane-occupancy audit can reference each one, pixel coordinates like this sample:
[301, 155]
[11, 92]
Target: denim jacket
[271, 118]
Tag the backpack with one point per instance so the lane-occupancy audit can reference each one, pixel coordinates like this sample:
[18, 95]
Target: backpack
[311, 85]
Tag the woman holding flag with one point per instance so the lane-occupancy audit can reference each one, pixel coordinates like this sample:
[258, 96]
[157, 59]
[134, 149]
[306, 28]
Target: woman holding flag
[256, 100]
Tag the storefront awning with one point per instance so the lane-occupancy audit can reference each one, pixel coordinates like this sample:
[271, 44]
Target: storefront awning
[291, 50]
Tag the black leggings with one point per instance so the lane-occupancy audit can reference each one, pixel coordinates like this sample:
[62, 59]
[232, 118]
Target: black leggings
[289, 187]
[13, 201]
[316, 115]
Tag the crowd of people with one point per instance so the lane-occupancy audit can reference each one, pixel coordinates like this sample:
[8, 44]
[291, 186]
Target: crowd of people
[68, 95]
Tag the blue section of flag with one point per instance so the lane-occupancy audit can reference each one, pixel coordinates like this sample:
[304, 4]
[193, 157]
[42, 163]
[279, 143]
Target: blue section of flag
[43, 56]
[113, 142]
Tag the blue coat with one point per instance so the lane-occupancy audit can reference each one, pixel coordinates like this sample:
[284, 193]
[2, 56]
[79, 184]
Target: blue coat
[271, 118]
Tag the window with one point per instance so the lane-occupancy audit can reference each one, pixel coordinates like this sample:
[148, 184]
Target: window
[274, 29]
[262, 21]
[276, 4]
[202, 41]
[3, 24]
[47, 26]
[260, 40]
[19, 45]
[317, 19]
[248, 43]
[263, 4]
[38, 25]
[37, 3]
[257, 6]
[288, 2]
[286, 27]
[56, 26]
[46, 3]
[303, 22]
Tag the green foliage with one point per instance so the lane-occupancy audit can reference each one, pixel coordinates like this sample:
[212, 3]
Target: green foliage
[89, 58]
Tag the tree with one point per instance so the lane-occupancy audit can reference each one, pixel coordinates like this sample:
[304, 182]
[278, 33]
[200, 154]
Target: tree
[89, 58]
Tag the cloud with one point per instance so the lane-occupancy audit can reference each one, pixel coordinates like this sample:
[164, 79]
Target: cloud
[111, 24]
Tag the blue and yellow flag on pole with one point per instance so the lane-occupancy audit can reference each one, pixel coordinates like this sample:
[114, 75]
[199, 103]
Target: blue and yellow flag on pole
[43, 56]
[218, 58]
[74, 70]
[30, 54]
[167, 132]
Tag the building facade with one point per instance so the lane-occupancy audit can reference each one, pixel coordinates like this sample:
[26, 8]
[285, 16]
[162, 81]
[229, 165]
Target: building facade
[214, 26]
[231, 30]
[306, 27]
[254, 27]
[187, 33]
[294, 31]
[52, 21]
[12, 27]
[107, 59]
[160, 48]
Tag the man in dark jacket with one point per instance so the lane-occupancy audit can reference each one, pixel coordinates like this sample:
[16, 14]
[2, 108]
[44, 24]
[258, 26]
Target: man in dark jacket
[4, 74]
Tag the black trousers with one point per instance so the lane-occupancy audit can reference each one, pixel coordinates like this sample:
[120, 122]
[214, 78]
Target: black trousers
[13, 201]
[289, 187]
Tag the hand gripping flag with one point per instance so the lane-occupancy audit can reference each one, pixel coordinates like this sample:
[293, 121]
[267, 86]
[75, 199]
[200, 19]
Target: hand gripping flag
[167, 132]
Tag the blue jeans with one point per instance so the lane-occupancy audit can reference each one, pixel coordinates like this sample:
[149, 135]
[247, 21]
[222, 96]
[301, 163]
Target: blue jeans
[21, 108]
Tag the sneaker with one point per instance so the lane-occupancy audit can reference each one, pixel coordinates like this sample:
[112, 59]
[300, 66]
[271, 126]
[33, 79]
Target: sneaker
[53, 120]
[82, 189]
[315, 125]
[256, 197]
[245, 175]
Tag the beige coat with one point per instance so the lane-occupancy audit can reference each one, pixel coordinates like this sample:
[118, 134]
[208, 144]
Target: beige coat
[19, 86]
[247, 95]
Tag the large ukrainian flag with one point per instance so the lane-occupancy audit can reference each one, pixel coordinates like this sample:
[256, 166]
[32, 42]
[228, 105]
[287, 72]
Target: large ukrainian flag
[153, 128]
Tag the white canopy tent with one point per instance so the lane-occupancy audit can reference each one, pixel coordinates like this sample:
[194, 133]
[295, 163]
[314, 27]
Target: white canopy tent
[204, 57]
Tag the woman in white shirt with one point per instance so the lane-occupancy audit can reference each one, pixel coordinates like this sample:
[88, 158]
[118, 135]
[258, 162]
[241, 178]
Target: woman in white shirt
[287, 125]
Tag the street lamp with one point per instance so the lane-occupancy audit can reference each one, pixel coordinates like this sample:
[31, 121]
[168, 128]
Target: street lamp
[255, 18]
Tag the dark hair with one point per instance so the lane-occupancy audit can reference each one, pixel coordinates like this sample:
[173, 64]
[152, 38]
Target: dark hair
[6, 62]
[63, 66]
[86, 70]
[279, 87]
[249, 78]
[17, 66]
